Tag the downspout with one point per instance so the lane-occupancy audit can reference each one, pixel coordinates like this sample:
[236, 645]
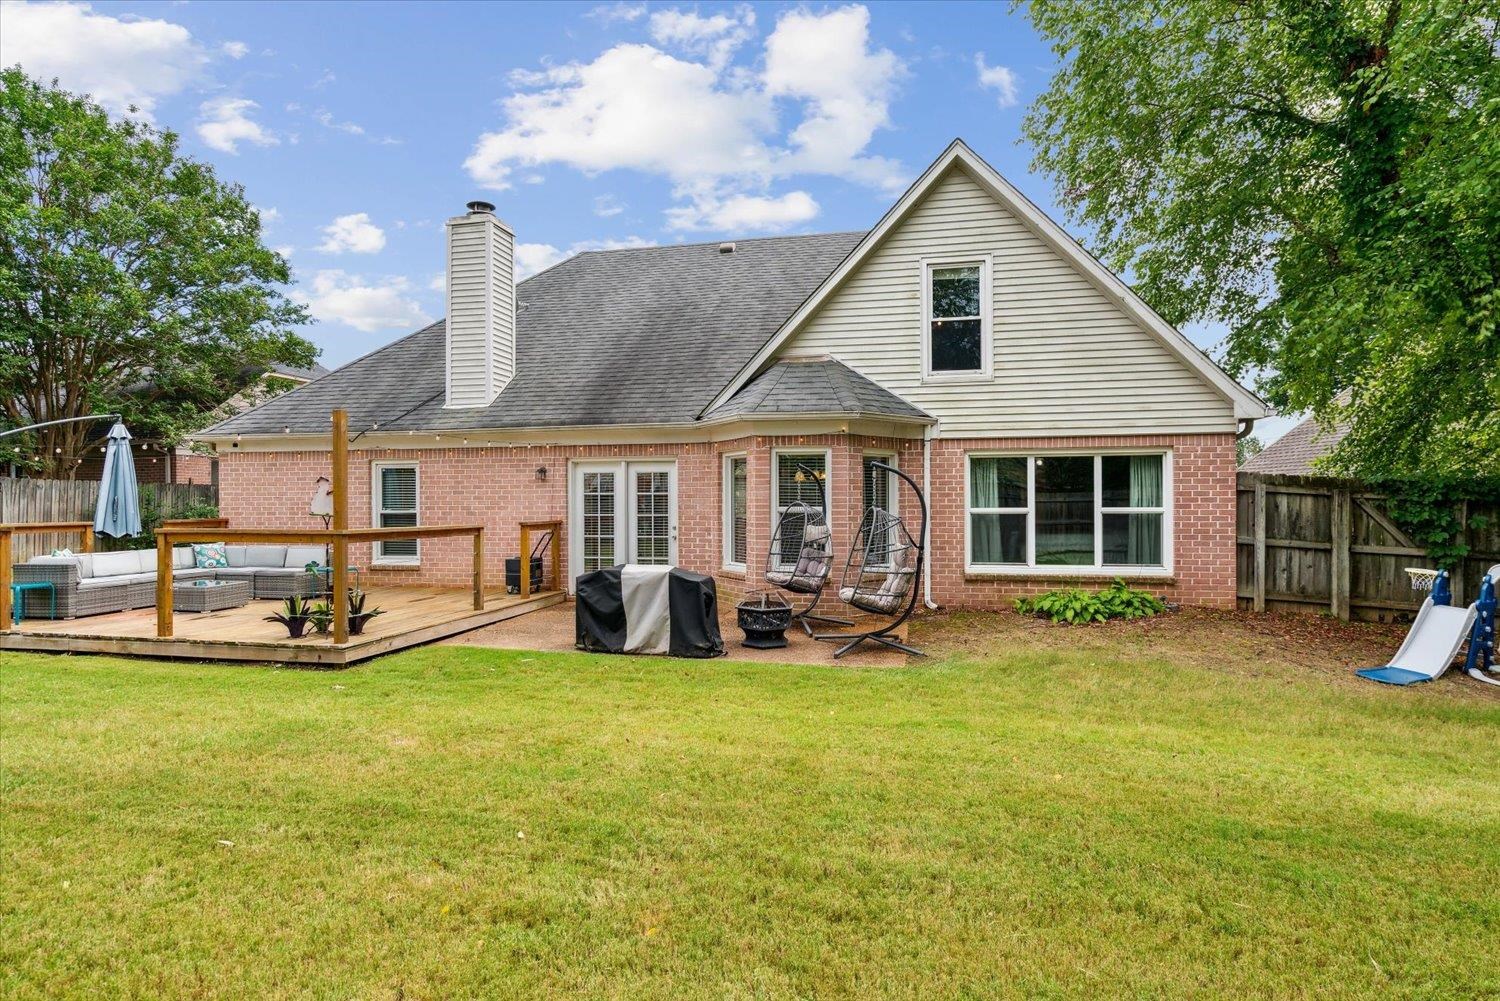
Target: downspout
[1247, 424]
[927, 528]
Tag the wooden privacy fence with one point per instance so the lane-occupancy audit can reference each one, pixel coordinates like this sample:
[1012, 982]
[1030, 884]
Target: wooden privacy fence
[1318, 544]
[25, 501]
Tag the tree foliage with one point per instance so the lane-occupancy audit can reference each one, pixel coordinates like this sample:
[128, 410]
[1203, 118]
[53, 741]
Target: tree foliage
[1320, 176]
[132, 279]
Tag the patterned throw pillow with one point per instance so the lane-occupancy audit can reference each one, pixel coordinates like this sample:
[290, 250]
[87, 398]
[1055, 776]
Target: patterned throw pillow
[210, 556]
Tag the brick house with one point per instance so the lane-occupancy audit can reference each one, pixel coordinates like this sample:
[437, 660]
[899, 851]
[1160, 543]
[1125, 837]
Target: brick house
[658, 401]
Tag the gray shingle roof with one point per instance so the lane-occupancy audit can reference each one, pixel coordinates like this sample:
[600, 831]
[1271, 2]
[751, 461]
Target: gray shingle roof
[639, 336]
[1294, 452]
[814, 386]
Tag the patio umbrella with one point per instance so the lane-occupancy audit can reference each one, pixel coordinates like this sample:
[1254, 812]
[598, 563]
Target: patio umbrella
[119, 509]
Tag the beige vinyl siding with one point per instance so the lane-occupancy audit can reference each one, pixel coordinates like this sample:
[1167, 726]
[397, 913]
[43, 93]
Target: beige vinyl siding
[1066, 360]
[468, 322]
[502, 308]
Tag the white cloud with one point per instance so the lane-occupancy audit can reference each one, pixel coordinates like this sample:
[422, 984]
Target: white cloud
[122, 63]
[709, 127]
[617, 13]
[367, 305]
[324, 80]
[268, 215]
[714, 38]
[744, 213]
[534, 257]
[607, 205]
[285, 249]
[353, 233]
[225, 122]
[1000, 79]
[235, 50]
[438, 282]
[325, 118]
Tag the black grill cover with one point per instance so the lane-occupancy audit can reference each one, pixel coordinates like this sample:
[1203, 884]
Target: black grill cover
[692, 608]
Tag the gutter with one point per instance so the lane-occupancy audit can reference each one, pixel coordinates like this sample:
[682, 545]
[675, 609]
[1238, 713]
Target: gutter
[927, 528]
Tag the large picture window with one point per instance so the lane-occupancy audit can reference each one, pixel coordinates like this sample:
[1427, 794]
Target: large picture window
[792, 483]
[395, 498]
[1100, 512]
[956, 324]
[736, 506]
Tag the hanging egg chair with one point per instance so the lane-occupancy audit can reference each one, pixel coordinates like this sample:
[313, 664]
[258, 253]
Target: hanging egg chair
[801, 555]
[883, 574]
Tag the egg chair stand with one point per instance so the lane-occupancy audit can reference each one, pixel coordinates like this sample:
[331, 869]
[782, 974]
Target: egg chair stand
[800, 559]
[883, 574]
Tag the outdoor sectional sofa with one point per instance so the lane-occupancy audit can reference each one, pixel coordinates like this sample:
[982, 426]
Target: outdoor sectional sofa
[94, 583]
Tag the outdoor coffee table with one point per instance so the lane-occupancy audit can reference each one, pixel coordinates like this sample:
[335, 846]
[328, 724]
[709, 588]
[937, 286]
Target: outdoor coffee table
[210, 595]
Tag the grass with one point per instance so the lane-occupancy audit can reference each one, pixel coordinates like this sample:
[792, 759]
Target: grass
[1021, 820]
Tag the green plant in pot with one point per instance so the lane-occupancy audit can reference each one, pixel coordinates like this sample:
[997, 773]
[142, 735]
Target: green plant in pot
[358, 615]
[321, 617]
[295, 614]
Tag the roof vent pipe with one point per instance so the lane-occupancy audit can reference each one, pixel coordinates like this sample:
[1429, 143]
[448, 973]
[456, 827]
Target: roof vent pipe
[726, 248]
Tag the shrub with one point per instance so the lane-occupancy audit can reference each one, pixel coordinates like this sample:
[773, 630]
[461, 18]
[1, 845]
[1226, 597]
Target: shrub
[1075, 607]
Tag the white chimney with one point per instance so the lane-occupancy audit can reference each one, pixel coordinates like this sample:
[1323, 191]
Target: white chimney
[481, 307]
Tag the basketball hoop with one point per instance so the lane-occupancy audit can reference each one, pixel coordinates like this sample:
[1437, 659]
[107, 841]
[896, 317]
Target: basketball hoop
[1422, 579]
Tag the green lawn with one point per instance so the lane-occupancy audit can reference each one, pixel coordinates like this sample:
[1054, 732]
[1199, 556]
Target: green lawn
[454, 822]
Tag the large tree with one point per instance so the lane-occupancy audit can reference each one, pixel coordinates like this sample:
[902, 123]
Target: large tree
[132, 279]
[1322, 177]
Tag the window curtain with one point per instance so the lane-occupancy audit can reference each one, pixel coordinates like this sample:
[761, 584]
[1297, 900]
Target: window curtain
[1143, 542]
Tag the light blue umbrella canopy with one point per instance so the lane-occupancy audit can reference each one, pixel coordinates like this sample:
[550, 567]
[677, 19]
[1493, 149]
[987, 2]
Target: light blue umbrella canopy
[119, 509]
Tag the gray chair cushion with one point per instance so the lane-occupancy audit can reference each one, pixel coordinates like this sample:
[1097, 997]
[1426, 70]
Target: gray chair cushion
[236, 555]
[235, 573]
[301, 556]
[97, 583]
[193, 573]
[182, 558]
[266, 556]
[118, 564]
[279, 571]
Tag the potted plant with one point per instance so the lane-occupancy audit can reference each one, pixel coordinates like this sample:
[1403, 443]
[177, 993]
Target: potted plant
[295, 613]
[358, 616]
[321, 617]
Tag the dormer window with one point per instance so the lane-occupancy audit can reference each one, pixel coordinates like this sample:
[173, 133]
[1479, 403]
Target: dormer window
[956, 320]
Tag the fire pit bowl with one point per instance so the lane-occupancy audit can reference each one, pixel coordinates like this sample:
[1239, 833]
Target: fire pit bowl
[764, 616]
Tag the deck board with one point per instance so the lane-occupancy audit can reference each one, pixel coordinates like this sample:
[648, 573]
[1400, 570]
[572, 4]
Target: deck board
[413, 615]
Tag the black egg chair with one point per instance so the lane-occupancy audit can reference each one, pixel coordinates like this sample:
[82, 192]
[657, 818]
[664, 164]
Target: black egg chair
[883, 574]
[800, 559]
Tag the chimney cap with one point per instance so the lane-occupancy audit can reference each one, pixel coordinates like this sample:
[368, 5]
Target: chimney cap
[475, 207]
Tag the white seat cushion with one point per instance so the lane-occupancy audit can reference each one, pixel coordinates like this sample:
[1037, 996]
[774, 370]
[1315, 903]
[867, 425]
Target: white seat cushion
[266, 556]
[95, 583]
[236, 555]
[300, 556]
[118, 564]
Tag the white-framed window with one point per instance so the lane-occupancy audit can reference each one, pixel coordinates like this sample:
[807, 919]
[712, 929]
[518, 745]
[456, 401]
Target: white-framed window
[736, 511]
[790, 483]
[956, 318]
[1069, 512]
[394, 496]
[878, 488]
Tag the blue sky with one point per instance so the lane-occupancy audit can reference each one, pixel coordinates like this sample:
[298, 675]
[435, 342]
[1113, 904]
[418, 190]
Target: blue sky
[358, 128]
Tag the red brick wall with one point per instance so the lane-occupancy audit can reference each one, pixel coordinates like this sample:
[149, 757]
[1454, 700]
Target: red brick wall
[497, 487]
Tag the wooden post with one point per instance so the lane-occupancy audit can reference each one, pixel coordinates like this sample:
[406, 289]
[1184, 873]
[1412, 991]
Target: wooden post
[525, 560]
[1340, 529]
[557, 581]
[1259, 533]
[479, 570]
[339, 455]
[5, 612]
[163, 585]
[88, 539]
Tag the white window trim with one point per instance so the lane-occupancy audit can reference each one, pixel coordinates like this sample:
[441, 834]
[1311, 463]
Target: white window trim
[727, 504]
[377, 554]
[828, 508]
[892, 484]
[986, 318]
[1030, 567]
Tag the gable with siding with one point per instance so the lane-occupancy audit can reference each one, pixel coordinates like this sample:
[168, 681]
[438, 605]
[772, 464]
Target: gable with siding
[1067, 360]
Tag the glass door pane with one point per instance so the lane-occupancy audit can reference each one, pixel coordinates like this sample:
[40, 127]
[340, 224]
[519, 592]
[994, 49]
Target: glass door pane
[598, 520]
[651, 534]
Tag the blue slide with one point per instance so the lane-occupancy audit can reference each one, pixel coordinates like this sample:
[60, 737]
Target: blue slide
[1440, 632]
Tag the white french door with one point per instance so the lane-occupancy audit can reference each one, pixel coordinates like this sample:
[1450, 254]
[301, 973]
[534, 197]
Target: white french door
[622, 512]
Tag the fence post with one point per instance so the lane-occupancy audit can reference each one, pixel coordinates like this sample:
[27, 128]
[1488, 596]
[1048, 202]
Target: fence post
[1339, 531]
[479, 570]
[339, 456]
[163, 584]
[525, 561]
[5, 612]
[1259, 532]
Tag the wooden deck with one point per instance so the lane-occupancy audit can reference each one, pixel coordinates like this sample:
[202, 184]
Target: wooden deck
[413, 616]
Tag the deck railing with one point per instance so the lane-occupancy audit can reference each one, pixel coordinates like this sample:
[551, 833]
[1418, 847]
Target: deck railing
[337, 539]
[552, 533]
[7, 532]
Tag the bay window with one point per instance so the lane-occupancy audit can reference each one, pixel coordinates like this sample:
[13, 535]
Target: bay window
[1102, 512]
[790, 483]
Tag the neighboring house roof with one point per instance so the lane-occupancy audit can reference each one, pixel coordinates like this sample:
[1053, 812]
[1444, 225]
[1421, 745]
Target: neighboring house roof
[639, 336]
[1293, 453]
[812, 386]
[1246, 404]
[302, 374]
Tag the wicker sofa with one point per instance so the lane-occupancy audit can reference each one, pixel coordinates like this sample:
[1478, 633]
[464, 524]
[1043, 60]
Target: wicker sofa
[95, 583]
